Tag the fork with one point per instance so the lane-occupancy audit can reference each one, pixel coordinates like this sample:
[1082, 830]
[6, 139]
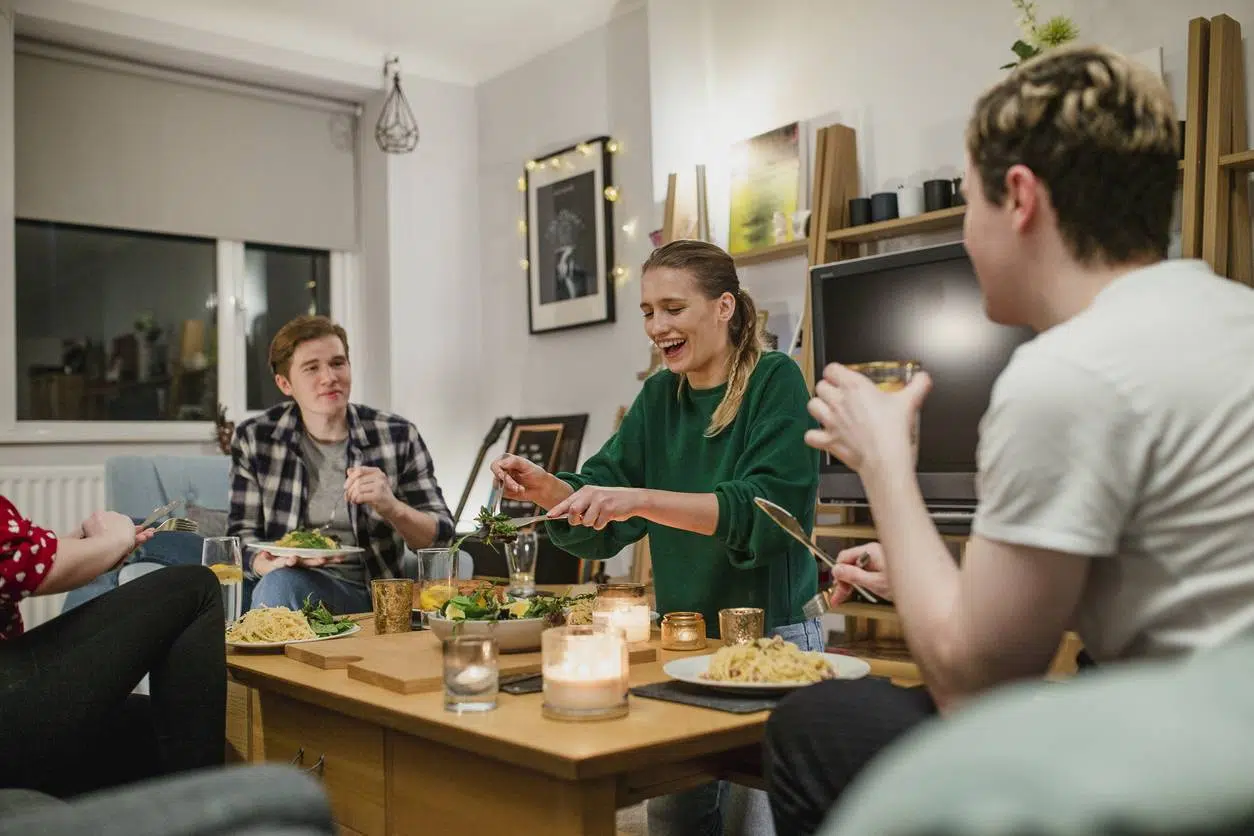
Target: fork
[158, 513]
[178, 524]
[819, 605]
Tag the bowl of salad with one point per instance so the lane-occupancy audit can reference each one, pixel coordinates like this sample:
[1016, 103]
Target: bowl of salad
[488, 610]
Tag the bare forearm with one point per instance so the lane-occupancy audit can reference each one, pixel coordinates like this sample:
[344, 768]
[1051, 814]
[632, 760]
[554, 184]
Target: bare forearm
[696, 512]
[418, 528]
[79, 561]
[925, 580]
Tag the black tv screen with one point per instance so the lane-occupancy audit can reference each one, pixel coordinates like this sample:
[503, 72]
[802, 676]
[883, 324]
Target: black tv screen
[923, 305]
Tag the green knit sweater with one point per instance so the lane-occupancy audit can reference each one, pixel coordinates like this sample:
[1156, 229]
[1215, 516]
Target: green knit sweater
[749, 561]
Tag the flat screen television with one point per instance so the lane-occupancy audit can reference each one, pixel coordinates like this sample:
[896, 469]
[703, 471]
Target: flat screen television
[923, 305]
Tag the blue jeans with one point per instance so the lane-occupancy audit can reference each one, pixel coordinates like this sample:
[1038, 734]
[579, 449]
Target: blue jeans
[702, 811]
[290, 585]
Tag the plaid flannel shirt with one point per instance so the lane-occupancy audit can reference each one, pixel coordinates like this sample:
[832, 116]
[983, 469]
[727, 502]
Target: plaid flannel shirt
[269, 493]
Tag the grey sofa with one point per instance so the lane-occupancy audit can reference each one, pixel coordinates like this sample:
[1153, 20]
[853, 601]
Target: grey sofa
[1163, 749]
[239, 801]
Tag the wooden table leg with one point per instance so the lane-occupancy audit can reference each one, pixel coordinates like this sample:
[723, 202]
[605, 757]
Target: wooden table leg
[433, 788]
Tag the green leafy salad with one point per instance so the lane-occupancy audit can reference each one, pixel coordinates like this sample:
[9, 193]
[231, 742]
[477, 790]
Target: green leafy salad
[321, 621]
[489, 602]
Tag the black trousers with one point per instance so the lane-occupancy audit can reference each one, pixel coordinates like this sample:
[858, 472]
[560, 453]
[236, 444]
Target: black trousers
[819, 738]
[68, 721]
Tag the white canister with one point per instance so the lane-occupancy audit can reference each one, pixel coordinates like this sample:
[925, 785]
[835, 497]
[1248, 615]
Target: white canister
[909, 201]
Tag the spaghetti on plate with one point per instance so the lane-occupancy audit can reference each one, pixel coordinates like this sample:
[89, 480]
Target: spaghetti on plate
[270, 624]
[770, 660]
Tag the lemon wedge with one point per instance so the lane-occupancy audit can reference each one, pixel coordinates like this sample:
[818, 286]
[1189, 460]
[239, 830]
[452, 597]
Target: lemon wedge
[454, 613]
[518, 609]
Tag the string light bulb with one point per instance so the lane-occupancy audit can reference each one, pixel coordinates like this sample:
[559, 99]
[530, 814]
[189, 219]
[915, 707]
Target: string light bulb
[524, 264]
[612, 146]
[530, 165]
[522, 227]
[584, 148]
[522, 184]
[611, 193]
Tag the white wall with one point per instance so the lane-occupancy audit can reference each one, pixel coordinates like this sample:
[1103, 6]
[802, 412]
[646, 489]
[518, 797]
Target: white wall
[595, 85]
[433, 239]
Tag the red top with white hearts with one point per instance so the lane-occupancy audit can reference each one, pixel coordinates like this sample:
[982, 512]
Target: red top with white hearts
[26, 555]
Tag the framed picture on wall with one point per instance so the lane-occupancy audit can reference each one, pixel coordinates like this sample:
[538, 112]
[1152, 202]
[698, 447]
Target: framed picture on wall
[570, 238]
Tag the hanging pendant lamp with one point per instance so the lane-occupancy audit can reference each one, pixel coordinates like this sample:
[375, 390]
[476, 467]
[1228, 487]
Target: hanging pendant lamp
[397, 130]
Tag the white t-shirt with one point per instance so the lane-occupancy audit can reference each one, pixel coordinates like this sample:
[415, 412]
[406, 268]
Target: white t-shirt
[1127, 434]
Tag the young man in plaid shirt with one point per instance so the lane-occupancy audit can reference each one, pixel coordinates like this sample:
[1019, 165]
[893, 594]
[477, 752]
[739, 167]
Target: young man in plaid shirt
[318, 461]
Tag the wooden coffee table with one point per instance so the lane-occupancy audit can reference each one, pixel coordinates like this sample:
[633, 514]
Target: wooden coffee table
[401, 764]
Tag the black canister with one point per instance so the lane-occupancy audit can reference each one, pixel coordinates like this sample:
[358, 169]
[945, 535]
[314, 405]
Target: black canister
[883, 206]
[938, 194]
[959, 198]
[859, 211]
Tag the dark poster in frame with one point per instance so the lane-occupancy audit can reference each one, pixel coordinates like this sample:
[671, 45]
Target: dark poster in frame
[570, 238]
[552, 443]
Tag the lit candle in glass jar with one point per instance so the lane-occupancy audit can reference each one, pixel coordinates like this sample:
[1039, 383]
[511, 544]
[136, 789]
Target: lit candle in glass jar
[625, 606]
[585, 672]
[683, 631]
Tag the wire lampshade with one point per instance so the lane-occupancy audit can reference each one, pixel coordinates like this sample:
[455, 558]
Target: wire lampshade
[397, 130]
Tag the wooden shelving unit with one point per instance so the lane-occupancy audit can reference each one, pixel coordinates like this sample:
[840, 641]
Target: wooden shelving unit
[789, 249]
[1228, 159]
[937, 221]
[1239, 161]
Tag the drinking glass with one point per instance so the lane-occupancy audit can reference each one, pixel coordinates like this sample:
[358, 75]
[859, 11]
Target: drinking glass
[223, 557]
[521, 557]
[434, 584]
[471, 674]
[892, 376]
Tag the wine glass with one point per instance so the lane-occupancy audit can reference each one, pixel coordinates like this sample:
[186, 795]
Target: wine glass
[224, 558]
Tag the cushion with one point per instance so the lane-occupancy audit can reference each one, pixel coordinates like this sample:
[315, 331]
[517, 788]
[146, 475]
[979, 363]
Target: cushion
[1133, 750]
[212, 523]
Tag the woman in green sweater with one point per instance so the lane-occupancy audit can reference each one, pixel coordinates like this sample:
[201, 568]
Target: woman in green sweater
[723, 424]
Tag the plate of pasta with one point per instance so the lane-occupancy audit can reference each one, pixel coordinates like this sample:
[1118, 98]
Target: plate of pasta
[268, 628]
[764, 665]
[306, 543]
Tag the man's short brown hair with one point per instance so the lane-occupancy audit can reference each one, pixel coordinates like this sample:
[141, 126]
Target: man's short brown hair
[300, 330]
[1100, 131]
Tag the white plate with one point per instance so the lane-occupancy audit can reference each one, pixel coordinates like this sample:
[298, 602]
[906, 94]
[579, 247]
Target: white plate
[276, 645]
[691, 668]
[290, 551]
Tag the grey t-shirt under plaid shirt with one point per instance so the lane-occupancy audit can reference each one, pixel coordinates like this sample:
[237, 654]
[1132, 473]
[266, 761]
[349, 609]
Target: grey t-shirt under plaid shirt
[325, 465]
[270, 482]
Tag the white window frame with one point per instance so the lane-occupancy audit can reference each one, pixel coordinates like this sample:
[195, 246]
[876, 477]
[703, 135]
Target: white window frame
[232, 368]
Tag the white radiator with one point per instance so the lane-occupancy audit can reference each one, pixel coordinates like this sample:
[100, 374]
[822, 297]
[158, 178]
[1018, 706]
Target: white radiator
[58, 498]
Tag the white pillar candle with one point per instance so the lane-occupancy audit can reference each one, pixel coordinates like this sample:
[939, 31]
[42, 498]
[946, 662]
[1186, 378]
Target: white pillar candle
[590, 674]
[633, 620]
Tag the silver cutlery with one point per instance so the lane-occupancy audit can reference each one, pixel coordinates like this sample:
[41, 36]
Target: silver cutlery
[158, 513]
[790, 524]
[179, 524]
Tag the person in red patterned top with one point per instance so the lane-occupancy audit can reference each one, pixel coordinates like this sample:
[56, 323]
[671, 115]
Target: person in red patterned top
[69, 722]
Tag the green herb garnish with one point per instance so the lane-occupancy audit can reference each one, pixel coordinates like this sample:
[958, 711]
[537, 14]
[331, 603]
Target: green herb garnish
[321, 621]
[493, 529]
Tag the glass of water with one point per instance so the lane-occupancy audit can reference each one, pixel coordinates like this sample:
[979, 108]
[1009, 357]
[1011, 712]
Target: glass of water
[521, 557]
[471, 674]
[223, 557]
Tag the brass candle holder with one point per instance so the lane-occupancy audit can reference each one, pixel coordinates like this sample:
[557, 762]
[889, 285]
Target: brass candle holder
[393, 601]
[683, 631]
[741, 625]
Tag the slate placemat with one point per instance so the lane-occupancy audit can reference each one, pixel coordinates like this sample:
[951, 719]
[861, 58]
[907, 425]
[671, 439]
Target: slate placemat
[523, 684]
[683, 692]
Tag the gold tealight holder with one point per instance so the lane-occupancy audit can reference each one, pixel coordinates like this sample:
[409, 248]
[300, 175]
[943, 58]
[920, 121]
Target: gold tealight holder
[393, 602]
[683, 631]
[741, 625]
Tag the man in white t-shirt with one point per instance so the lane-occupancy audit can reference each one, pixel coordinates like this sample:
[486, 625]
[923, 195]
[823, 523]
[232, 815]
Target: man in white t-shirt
[1116, 459]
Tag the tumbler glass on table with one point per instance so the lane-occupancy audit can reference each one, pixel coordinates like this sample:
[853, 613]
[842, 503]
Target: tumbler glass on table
[521, 557]
[891, 376]
[392, 600]
[225, 559]
[471, 674]
[434, 585]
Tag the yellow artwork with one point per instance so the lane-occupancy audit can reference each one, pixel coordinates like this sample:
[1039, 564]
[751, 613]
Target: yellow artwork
[765, 189]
